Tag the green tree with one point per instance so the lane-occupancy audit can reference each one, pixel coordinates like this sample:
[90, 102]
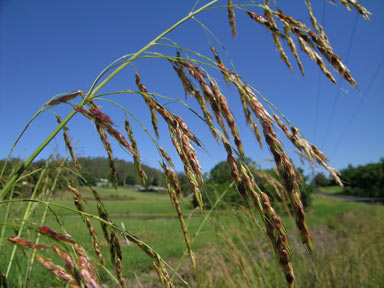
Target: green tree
[320, 180]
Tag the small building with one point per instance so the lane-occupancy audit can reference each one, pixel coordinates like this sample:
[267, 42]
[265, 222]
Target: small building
[103, 182]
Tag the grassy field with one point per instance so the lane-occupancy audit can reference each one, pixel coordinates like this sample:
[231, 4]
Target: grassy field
[346, 236]
[331, 190]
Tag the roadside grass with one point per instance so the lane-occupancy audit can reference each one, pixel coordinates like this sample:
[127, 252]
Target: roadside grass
[334, 224]
[331, 190]
[324, 208]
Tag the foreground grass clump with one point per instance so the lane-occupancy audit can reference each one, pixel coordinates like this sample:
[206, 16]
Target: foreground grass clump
[349, 252]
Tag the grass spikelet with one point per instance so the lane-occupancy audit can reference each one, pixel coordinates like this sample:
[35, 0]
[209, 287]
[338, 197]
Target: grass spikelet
[57, 271]
[162, 277]
[173, 187]
[77, 196]
[189, 152]
[346, 4]
[185, 129]
[232, 18]
[67, 259]
[107, 126]
[278, 237]
[95, 241]
[310, 150]
[86, 270]
[276, 36]
[312, 16]
[248, 117]
[104, 227]
[101, 117]
[316, 58]
[292, 46]
[136, 155]
[256, 130]
[207, 114]
[360, 8]
[68, 143]
[22, 242]
[65, 98]
[216, 109]
[166, 156]
[55, 235]
[108, 148]
[189, 172]
[179, 69]
[115, 249]
[228, 116]
[119, 273]
[219, 62]
[270, 24]
[232, 163]
[149, 101]
[250, 188]
[103, 214]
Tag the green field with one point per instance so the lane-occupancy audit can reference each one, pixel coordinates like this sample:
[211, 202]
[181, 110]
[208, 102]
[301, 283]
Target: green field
[331, 190]
[344, 227]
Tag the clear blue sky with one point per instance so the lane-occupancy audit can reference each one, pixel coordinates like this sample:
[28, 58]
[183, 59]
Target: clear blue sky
[52, 47]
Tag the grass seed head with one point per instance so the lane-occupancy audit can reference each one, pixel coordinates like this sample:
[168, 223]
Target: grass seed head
[68, 143]
[65, 98]
[55, 235]
[67, 259]
[232, 18]
[22, 242]
[95, 241]
[56, 270]
[312, 16]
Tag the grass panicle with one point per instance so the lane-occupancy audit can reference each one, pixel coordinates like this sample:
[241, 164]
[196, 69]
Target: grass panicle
[219, 61]
[274, 226]
[150, 103]
[355, 4]
[232, 163]
[22, 242]
[283, 163]
[314, 22]
[167, 157]
[57, 271]
[309, 149]
[65, 98]
[136, 155]
[189, 172]
[185, 81]
[276, 36]
[173, 187]
[232, 18]
[228, 116]
[68, 143]
[66, 258]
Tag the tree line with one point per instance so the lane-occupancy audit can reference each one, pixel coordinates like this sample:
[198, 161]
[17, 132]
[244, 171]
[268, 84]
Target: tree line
[362, 180]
